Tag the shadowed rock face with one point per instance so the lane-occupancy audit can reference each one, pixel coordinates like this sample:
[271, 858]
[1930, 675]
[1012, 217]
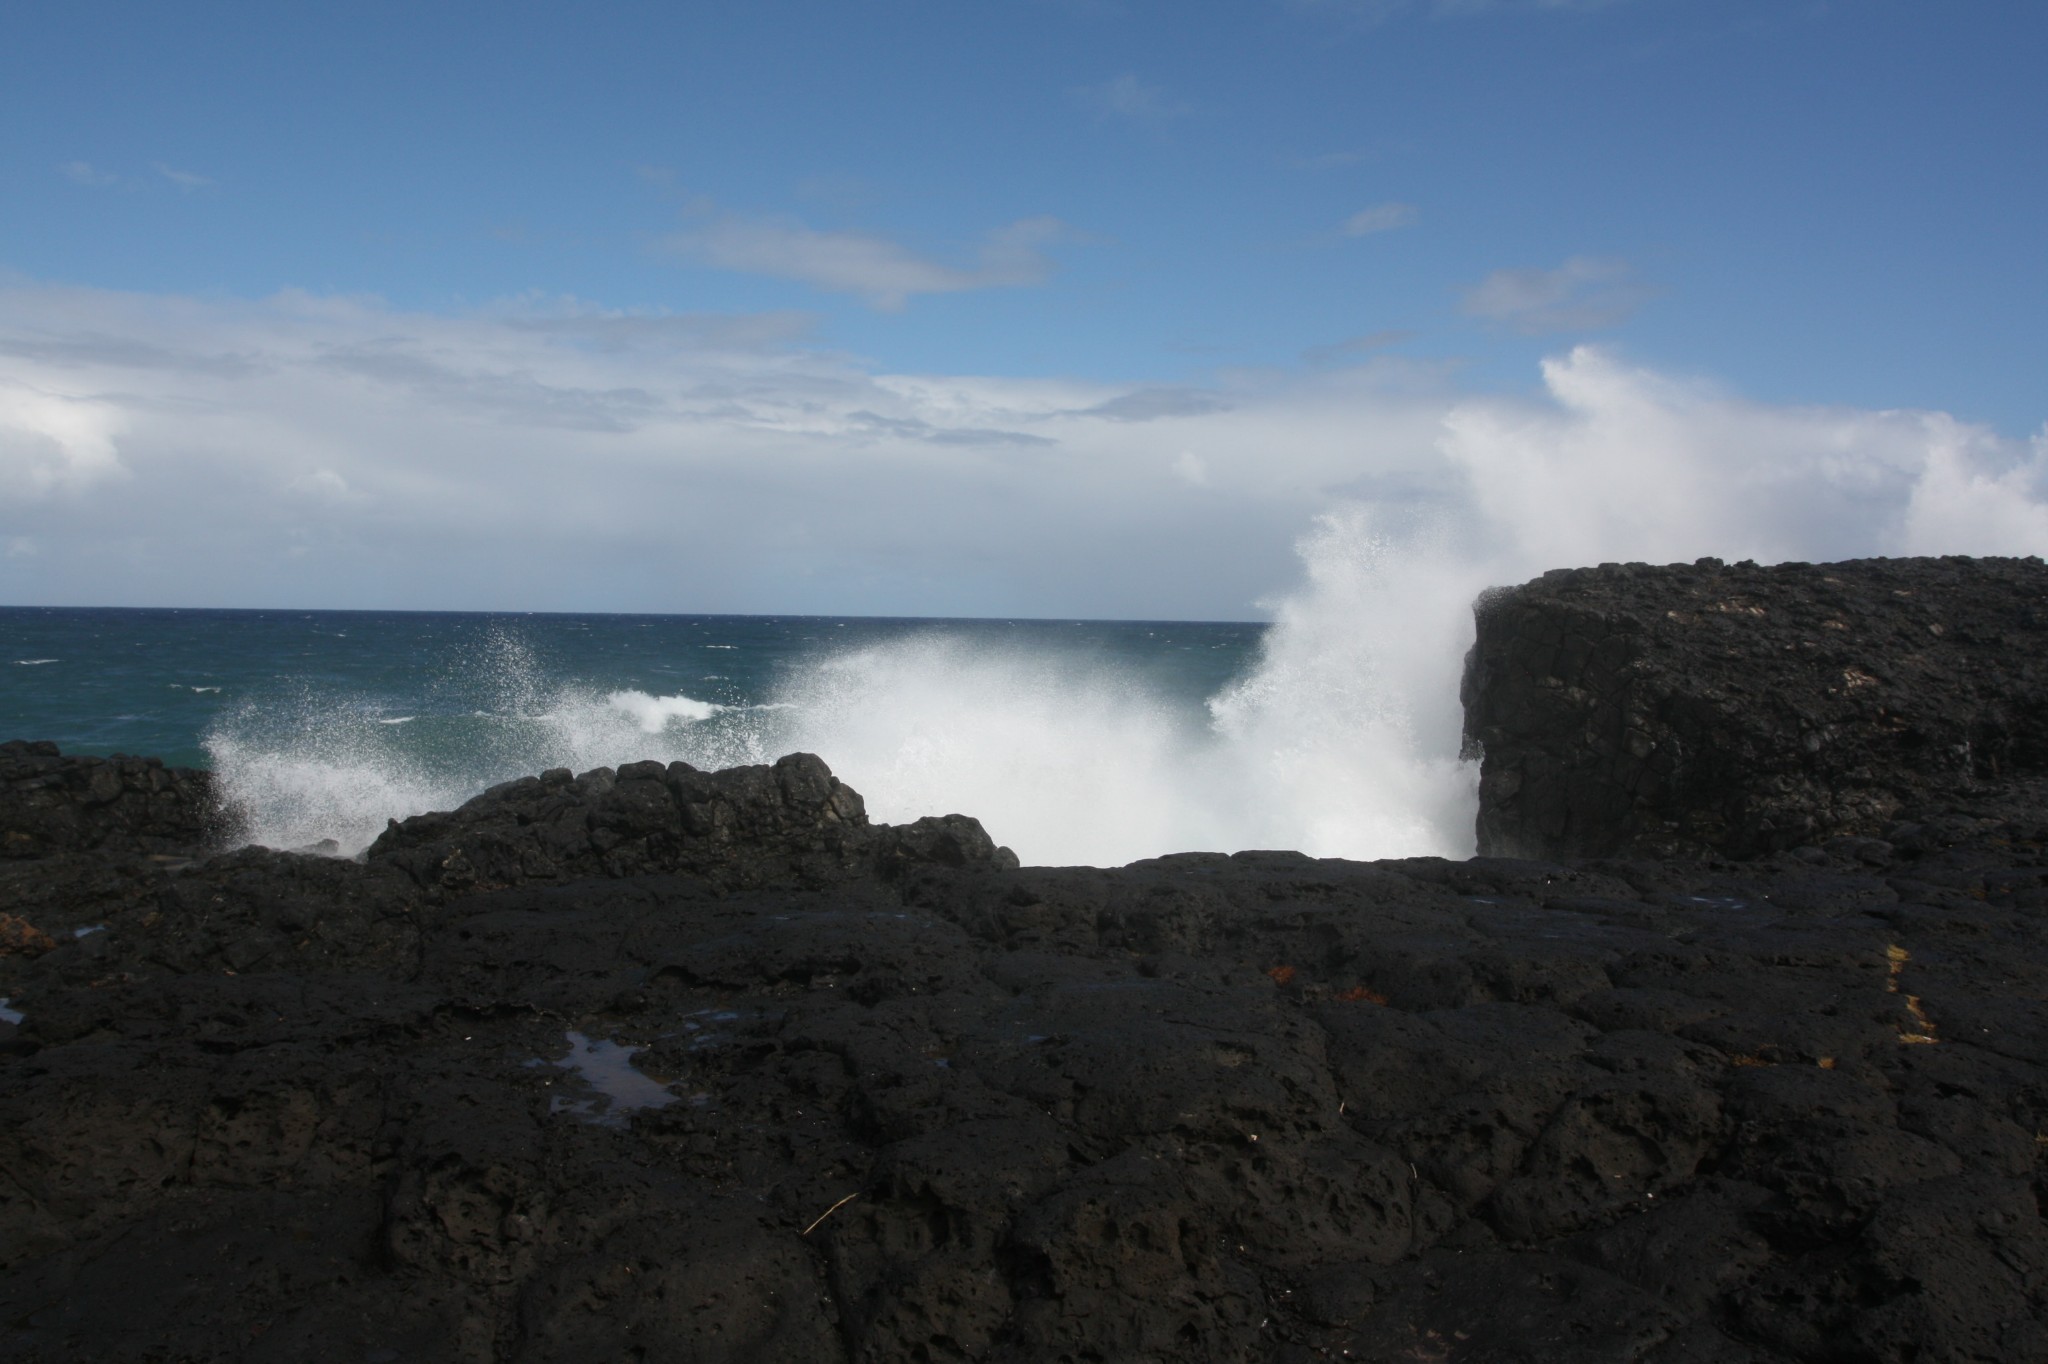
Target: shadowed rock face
[660, 1064]
[1738, 710]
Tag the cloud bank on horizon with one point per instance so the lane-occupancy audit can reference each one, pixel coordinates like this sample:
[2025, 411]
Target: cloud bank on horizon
[323, 451]
[1044, 309]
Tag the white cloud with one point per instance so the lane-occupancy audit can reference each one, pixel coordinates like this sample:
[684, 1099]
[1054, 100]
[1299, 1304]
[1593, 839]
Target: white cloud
[1379, 218]
[1976, 493]
[1127, 97]
[1152, 404]
[1624, 463]
[52, 443]
[532, 457]
[325, 485]
[85, 173]
[884, 273]
[1585, 293]
[183, 179]
[550, 456]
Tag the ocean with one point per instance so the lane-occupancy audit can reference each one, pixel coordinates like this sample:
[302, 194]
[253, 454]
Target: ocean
[1074, 742]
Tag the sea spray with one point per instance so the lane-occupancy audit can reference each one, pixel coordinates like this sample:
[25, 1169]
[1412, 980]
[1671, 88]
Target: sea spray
[1334, 743]
[1346, 736]
[1066, 760]
[312, 765]
[296, 775]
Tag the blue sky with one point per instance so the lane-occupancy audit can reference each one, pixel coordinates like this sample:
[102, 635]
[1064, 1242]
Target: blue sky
[943, 230]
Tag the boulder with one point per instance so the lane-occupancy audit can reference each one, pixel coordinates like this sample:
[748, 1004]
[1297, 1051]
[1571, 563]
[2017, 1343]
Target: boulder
[792, 824]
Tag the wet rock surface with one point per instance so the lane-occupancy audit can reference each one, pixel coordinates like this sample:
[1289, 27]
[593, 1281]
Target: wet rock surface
[1738, 709]
[653, 1064]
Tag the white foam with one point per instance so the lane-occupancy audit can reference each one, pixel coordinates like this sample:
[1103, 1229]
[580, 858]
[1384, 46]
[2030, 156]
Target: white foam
[34, 662]
[655, 713]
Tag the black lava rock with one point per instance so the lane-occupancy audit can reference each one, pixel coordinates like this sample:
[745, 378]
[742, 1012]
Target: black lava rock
[1697, 709]
[792, 824]
[50, 804]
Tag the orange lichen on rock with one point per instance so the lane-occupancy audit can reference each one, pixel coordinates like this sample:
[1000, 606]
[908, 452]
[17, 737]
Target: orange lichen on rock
[19, 937]
[1923, 1031]
[1926, 1024]
[1359, 994]
[1281, 975]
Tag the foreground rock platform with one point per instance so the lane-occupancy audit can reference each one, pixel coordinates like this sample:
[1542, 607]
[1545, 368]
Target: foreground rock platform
[663, 1065]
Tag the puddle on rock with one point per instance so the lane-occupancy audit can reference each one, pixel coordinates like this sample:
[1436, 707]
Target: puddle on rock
[607, 1069]
[8, 1015]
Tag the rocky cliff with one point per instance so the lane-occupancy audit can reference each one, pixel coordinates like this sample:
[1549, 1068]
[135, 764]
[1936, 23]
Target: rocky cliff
[1709, 708]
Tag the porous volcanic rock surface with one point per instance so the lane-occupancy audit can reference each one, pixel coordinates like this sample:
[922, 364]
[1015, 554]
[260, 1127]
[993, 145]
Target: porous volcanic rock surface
[663, 1065]
[1740, 709]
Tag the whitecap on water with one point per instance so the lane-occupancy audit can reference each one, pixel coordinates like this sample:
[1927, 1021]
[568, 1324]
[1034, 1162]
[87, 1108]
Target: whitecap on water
[655, 713]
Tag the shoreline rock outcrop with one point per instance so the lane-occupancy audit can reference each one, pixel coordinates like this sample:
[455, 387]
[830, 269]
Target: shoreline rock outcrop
[51, 805]
[670, 1065]
[1735, 709]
